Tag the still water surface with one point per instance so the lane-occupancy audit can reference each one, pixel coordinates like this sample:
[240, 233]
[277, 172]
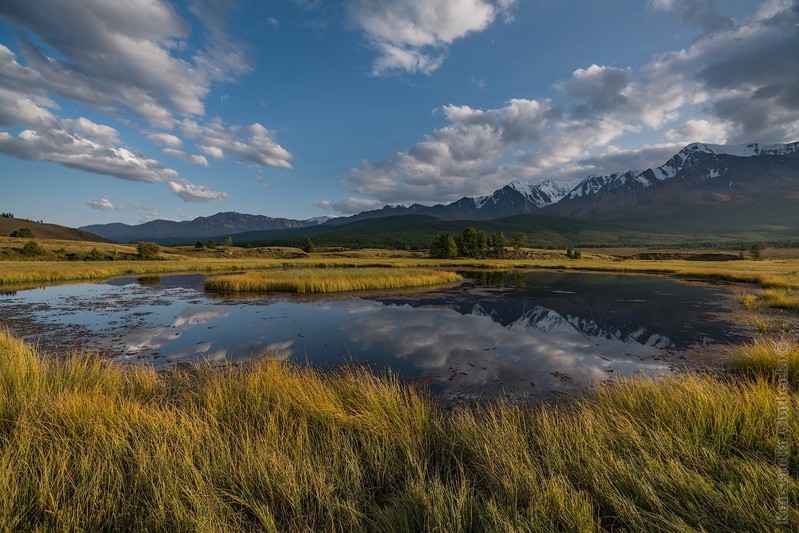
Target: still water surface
[520, 334]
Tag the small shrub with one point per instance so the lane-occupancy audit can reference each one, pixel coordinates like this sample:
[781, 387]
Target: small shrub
[199, 245]
[95, 255]
[749, 301]
[32, 248]
[148, 250]
[211, 243]
[23, 233]
[308, 246]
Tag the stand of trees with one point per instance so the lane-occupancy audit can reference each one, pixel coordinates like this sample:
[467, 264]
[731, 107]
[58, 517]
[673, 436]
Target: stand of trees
[443, 246]
[474, 244]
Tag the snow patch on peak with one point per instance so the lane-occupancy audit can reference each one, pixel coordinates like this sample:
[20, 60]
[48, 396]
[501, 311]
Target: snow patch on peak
[538, 194]
[743, 150]
[593, 183]
[479, 201]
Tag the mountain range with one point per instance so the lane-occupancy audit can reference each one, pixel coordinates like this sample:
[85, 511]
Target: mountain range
[717, 188]
[220, 224]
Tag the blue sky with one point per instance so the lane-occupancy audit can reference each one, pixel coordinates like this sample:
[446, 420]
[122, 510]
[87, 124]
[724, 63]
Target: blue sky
[128, 111]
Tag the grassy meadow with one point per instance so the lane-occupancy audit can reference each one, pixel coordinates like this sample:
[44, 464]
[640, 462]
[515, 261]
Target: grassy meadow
[779, 269]
[776, 277]
[87, 445]
[309, 280]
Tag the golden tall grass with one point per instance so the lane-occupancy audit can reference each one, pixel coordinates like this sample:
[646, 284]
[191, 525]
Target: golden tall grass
[93, 446]
[762, 358]
[781, 298]
[305, 280]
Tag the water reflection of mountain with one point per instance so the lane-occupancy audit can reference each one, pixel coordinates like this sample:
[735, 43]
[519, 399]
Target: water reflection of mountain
[549, 321]
[646, 310]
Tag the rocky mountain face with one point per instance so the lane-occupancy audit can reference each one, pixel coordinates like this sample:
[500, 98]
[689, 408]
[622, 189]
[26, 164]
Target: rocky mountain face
[169, 231]
[700, 176]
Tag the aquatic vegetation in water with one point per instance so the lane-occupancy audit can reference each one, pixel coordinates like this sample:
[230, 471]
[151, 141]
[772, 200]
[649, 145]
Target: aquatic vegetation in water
[329, 280]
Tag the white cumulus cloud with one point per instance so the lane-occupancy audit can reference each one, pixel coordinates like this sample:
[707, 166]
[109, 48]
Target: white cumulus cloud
[413, 35]
[189, 192]
[104, 204]
[252, 144]
[349, 206]
[71, 150]
[191, 158]
[166, 139]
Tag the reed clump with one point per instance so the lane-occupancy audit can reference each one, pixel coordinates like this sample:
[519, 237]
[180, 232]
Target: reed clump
[305, 280]
[87, 445]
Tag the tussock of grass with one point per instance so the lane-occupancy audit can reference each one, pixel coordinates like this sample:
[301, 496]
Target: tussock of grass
[329, 280]
[781, 299]
[91, 446]
[749, 301]
[764, 358]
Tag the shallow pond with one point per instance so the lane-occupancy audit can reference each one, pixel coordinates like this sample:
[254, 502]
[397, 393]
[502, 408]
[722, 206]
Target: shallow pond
[520, 333]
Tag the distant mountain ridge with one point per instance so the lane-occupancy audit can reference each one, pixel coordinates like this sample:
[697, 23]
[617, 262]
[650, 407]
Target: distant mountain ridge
[515, 198]
[703, 187]
[170, 231]
[694, 177]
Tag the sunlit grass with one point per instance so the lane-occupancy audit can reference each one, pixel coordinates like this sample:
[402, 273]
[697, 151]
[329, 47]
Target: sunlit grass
[305, 280]
[92, 446]
[748, 300]
[765, 359]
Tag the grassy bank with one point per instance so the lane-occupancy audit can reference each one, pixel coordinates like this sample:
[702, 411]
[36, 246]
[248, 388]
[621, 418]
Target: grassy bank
[771, 273]
[304, 280]
[87, 445]
[779, 277]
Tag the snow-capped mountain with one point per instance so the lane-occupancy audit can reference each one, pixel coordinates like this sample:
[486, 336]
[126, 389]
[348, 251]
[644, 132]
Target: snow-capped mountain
[699, 175]
[593, 183]
[515, 198]
[533, 195]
